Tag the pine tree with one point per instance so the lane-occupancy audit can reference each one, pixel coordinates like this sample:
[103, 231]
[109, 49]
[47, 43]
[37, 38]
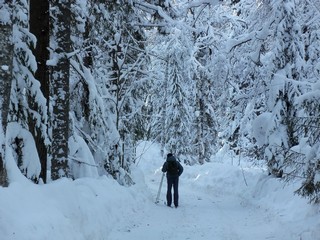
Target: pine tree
[245, 85]
[207, 87]
[92, 130]
[283, 67]
[28, 107]
[178, 121]
[158, 93]
[307, 164]
[126, 59]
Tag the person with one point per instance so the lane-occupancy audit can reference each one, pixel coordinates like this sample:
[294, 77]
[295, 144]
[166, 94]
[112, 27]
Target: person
[174, 169]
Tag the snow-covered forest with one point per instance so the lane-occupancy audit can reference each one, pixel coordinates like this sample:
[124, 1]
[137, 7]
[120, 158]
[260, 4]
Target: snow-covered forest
[83, 82]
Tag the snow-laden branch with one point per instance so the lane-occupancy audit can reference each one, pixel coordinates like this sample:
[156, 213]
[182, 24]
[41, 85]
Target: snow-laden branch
[198, 3]
[147, 6]
[150, 8]
[79, 161]
[233, 43]
[148, 53]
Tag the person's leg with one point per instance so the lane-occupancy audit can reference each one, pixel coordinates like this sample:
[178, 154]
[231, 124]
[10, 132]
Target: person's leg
[169, 194]
[175, 191]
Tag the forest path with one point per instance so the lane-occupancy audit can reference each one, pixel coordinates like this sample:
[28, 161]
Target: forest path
[213, 214]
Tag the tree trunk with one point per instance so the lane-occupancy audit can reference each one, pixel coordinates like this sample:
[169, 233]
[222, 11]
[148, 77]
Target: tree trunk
[39, 26]
[6, 58]
[87, 60]
[60, 88]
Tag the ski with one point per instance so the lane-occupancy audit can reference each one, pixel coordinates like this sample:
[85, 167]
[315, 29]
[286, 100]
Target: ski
[160, 186]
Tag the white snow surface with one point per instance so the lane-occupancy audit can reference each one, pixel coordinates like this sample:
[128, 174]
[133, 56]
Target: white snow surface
[218, 201]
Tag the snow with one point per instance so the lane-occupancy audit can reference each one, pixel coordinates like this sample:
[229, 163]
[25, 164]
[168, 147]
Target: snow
[260, 127]
[4, 13]
[217, 200]
[30, 163]
[5, 67]
[82, 162]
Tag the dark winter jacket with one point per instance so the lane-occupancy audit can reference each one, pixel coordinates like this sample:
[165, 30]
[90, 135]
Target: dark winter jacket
[179, 167]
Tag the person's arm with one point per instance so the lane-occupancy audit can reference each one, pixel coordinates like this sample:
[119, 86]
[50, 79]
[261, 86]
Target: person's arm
[164, 167]
[180, 169]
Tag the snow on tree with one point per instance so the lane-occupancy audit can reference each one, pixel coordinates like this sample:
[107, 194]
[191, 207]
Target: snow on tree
[308, 104]
[279, 35]
[204, 70]
[125, 61]
[105, 79]
[236, 76]
[179, 91]
[158, 11]
[28, 106]
[282, 64]
[92, 128]
[22, 144]
[155, 104]
[39, 27]
[266, 60]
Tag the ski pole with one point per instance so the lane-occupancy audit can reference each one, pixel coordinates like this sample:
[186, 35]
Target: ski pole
[158, 195]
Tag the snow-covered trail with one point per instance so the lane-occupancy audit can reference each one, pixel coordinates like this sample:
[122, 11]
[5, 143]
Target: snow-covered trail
[200, 216]
[217, 201]
[209, 212]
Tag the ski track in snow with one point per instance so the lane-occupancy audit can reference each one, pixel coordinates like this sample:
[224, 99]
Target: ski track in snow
[218, 216]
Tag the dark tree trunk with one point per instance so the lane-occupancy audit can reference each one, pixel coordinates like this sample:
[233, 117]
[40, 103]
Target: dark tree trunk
[39, 26]
[6, 58]
[87, 60]
[60, 89]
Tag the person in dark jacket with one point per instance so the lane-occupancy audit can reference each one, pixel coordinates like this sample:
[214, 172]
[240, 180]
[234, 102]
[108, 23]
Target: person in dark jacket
[173, 169]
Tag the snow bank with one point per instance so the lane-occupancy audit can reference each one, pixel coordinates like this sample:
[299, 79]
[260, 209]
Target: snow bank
[64, 209]
[255, 188]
